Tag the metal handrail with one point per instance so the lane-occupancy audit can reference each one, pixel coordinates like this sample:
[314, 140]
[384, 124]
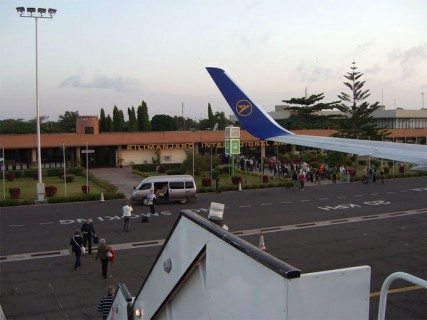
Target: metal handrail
[386, 285]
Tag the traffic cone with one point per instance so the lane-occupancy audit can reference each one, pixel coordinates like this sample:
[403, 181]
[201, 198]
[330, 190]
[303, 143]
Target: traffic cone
[261, 241]
[102, 197]
[240, 186]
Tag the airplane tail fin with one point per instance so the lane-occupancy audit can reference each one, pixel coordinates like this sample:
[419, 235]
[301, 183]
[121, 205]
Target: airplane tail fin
[252, 117]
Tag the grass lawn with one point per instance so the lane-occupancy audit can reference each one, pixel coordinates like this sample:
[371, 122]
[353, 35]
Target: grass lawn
[29, 192]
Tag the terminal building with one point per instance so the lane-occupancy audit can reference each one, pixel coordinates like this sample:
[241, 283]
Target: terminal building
[111, 149]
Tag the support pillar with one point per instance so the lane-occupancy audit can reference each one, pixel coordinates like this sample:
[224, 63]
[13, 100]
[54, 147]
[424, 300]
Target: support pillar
[78, 158]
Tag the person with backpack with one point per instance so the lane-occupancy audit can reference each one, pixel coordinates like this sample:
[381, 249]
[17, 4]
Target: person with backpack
[103, 256]
[77, 248]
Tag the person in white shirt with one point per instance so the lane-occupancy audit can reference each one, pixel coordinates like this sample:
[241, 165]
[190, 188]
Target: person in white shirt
[150, 201]
[127, 212]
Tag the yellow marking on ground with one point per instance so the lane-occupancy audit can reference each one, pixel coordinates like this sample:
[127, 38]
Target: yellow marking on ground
[398, 290]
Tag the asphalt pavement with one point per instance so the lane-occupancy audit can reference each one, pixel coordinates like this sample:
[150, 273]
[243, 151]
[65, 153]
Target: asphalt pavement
[320, 228]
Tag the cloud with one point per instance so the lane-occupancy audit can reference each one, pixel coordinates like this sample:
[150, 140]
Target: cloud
[409, 59]
[363, 46]
[374, 69]
[100, 82]
[312, 73]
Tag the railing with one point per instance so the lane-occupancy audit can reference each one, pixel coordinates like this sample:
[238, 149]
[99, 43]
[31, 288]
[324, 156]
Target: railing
[384, 289]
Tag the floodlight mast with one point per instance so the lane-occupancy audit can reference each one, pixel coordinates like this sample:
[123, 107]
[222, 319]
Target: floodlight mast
[40, 13]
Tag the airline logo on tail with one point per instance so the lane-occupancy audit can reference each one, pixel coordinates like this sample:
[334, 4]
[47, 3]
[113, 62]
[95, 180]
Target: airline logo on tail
[244, 108]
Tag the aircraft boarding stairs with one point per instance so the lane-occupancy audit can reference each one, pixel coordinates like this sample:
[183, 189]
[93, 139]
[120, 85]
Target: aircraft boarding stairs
[206, 272]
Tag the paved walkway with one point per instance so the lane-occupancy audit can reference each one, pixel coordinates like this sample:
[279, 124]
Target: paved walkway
[122, 178]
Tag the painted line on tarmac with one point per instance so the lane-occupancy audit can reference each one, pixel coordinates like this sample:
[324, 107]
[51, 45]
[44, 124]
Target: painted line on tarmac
[397, 290]
[240, 233]
[46, 222]
[323, 199]
[16, 225]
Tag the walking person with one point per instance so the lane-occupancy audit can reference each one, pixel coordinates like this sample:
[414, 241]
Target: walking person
[106, 302]
[151, 198]
[301, 179]
[76, 243]
[102, 254]
[295, 181]
[382, 176]
[127, 212]
[88, 234]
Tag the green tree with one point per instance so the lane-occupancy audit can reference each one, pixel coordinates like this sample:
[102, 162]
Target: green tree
[67, 121]
[163, 122]
[132, 123]
[102, 121]
[18, 126]
[359, 123]
[142, 117]
[108, 124]
[118, 120]
[305, 113]
[211, 120]
[202, 163]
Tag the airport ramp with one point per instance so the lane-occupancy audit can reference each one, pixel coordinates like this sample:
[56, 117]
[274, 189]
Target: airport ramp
[206, 272]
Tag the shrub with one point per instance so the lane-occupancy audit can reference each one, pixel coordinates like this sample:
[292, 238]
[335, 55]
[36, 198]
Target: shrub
[215, 174]
[85, 189]
[402, 169]
[11, 203]
[386, 170]
[206, 182]
[363, 162]
[146, 167]
[17, 173]
[77, 171]
[265, 179]
[30, 173]
[161, 169]
[50, 191]
[55, 172]
[70, 177]
[15, 193]
[174, 171]
[236, 180]
[10, 176]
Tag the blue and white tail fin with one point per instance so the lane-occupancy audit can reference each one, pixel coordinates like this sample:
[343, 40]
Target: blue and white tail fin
[253, 118]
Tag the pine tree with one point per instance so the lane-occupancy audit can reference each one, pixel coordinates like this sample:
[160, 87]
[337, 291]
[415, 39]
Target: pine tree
[304, 113]
[108, 124]
[132, 124]
[116, 120]
[211, 119]
[142, 117]
[102, 121]
[359, 123]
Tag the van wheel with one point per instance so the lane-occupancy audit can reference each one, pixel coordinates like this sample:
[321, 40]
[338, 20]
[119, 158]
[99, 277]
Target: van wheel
[184, 200]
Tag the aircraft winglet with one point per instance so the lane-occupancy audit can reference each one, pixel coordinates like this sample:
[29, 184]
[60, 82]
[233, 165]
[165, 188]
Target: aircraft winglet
[253, 119]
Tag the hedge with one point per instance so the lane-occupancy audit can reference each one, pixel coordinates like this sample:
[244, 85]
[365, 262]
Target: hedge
[145, 167]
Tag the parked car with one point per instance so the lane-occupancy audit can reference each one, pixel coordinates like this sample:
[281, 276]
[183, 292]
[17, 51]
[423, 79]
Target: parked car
[173, 188]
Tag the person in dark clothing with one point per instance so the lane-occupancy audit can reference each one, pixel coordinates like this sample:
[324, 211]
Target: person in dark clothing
[76, 243]
[88, 234]
[102, 254]
[106, 302]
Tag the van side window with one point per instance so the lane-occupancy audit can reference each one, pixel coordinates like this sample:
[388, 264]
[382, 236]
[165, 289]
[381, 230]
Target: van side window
[189, 185]
[176, 185]
[145, 186]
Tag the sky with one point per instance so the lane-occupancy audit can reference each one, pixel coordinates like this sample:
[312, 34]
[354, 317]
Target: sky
[100, 53]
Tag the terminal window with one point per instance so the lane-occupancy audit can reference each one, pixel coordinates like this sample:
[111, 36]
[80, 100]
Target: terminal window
[89, 130]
